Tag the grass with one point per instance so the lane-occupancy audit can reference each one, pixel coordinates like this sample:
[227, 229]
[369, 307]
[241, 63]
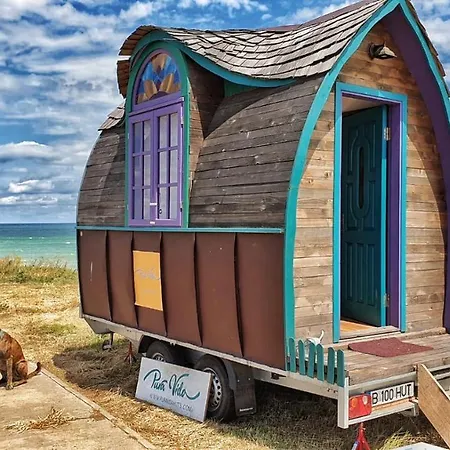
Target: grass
[53, 419]
[13, 269]
[43, 316]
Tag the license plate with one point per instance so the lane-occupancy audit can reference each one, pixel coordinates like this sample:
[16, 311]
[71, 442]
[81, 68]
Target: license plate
[392, 394]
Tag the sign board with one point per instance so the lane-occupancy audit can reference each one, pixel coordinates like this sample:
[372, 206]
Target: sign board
[182, 390]
[420, 446]
[147, 279]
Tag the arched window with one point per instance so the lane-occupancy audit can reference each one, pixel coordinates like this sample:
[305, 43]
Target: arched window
[155, 144]
[159, 78]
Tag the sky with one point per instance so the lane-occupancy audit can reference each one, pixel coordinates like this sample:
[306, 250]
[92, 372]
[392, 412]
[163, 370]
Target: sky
[58, 80]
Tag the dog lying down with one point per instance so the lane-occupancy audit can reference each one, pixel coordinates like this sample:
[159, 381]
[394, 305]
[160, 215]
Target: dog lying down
[13, 364]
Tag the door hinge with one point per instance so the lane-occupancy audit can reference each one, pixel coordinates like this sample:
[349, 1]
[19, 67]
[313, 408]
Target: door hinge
[387, 134]
[387, 300]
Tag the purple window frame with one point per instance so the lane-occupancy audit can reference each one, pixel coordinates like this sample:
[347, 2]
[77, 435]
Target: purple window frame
[154, 111]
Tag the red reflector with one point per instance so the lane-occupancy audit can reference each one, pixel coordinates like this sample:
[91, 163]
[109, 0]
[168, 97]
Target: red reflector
[359, 406]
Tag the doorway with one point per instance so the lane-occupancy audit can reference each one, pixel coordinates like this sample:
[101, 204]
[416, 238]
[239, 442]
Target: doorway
[363, 216]
[369, 212]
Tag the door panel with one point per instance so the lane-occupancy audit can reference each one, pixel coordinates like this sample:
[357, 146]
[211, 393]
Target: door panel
[363, 208]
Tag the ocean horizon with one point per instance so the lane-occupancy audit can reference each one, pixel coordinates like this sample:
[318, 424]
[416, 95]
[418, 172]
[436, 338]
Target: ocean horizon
[39, 241]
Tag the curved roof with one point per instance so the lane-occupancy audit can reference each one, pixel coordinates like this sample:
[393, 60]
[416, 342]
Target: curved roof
[282, 53]
[245, 163]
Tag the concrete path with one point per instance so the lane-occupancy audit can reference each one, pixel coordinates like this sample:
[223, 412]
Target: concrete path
[91, 428]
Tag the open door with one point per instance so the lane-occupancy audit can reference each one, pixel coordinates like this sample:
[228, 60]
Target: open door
[363, 208]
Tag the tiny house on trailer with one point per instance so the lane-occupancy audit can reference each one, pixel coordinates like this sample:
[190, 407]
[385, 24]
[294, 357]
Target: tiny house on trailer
[259, 188]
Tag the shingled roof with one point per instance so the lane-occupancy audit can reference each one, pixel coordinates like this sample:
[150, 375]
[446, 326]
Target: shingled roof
[278, 53]
[287, 52]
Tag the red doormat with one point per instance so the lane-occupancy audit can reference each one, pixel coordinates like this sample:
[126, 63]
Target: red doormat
[387, 348]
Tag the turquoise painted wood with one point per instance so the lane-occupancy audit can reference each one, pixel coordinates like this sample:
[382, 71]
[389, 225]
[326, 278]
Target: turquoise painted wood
[234, 77]
[363, 216]
[183, 230]
[331, 363]
[301, 358]
[320, 363]
[390, 98]
[301, 158]
[292, 355]
[340, 376]
[311, 360]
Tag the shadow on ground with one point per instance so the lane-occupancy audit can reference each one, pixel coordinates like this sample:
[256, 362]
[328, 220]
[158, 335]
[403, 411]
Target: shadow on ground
[286, 419]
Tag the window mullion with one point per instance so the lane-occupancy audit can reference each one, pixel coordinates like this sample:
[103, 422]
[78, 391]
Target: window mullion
[154, 160]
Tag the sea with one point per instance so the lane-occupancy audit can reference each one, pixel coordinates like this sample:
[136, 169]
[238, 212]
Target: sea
[39, 241]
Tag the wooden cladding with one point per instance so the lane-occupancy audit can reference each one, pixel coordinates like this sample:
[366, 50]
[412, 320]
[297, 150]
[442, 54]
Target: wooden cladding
[245, 164]
[102, 194]
[426, 205]
[222, 291]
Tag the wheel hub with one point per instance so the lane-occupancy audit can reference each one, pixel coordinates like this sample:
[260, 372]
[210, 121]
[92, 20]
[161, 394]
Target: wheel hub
[215, 392]
[158, 356]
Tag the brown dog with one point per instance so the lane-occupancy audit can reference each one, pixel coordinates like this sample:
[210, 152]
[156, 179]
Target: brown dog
[13, 364]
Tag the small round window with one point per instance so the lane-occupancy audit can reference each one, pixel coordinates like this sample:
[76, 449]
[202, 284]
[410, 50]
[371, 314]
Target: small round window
[159, 77]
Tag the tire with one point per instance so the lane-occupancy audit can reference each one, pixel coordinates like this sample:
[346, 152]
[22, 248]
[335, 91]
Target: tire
[165, 352]
[221, 396]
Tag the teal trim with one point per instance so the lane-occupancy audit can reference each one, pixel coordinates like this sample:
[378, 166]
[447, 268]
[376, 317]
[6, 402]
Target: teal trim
[301, 155]
[292, 356]
[392, 98]
[431, 61]
[331, 363]
[311, 359]
[340, 377]
[370, 93]
[234, 77]
[383, 219]
[233, 88]
[320, 363]
[337, 213]
[301, 358]
[183, 230]
[183, 70]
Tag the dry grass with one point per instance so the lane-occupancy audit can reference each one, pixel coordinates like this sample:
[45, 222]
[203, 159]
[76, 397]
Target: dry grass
[55, 418]
[39, 271]
[44, 317]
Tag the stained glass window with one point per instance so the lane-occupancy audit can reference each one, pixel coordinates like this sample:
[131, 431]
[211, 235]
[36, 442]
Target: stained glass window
[160, 77]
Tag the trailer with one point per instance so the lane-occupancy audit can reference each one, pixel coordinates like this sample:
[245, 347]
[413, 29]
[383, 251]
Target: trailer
[271, 204]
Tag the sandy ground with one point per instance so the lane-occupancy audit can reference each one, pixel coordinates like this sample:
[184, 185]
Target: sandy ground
[26, 420]
[45, 320]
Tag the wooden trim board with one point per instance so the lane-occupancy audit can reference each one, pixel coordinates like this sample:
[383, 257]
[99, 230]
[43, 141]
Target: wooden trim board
[434, 402]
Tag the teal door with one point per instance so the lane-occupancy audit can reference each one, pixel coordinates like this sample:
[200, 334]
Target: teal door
[363, 221]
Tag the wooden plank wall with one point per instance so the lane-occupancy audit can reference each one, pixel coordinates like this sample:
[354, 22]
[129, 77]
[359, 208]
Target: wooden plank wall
[102, 194]
[206, 93]
[245, 164]
[314, 244]
[426, 207]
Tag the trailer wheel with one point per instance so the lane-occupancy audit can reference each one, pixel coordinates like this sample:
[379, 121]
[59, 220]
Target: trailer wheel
[161, 351]
[221, 397]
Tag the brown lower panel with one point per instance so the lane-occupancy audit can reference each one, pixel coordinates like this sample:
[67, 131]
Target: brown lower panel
[260, 275]
[180, 302]
[93, 274]
[149, 320]
[120, 278]
[217, 292]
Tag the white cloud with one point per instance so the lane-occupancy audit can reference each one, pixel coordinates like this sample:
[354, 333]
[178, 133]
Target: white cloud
[305, 14]
[13, 9]
[438, 30]
[26, 149]
[28, 200]
[248, 5]
[30, 186]
[139, 10]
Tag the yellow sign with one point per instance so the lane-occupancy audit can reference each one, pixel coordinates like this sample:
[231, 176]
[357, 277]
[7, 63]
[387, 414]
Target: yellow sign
[147, 279]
